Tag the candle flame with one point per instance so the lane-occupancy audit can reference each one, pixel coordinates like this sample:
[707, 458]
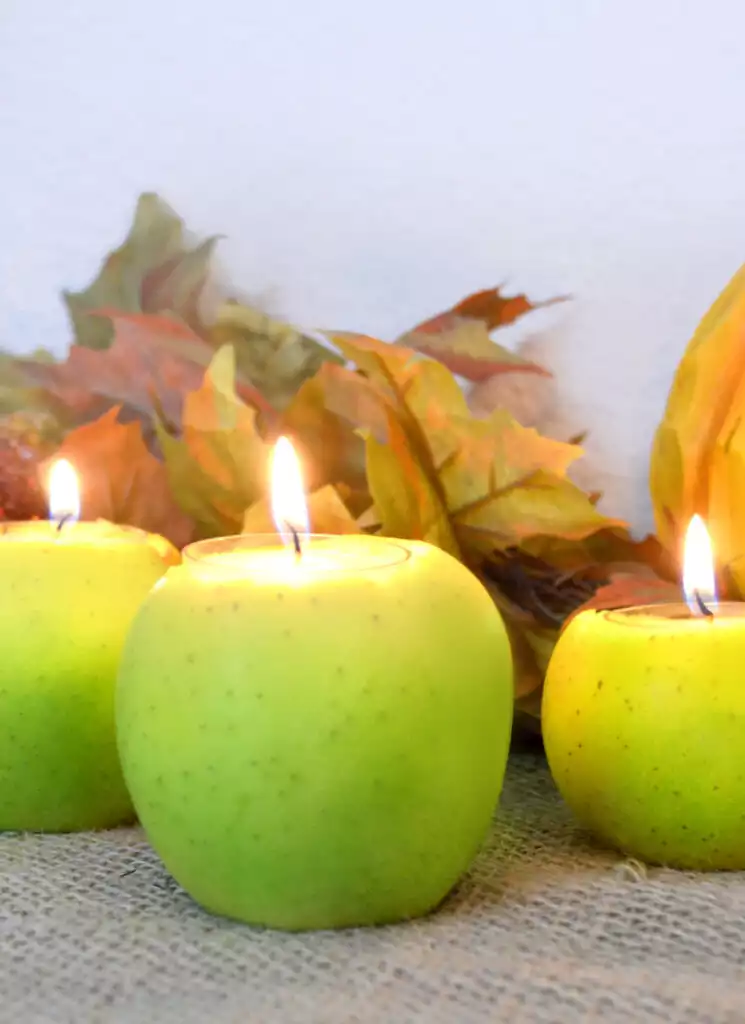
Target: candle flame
[699, 584]
[64, 492]
[289, 507]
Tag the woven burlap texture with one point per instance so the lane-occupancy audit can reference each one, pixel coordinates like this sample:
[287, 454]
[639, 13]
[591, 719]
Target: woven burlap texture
[546, 929]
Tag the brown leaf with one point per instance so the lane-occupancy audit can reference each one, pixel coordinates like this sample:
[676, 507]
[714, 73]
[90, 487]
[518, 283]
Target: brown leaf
[326, 509]
[464, 346]
[490, 306]
[608, 547]
[459, 338]
[529, 397]
[634, 587]
[527, 676]
[153, 362]
[531, 644]
[531, 650]
[151, 271]
[121, 480]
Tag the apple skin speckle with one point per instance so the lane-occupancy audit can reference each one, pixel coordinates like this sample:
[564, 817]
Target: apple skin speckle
[355, 766]
[652, 764]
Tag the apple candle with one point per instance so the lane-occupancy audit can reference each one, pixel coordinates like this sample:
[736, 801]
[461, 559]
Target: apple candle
[68, 592]
[314, 732]
[644, 723]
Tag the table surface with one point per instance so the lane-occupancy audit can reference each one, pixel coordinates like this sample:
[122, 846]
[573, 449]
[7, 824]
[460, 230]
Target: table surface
[546, 928]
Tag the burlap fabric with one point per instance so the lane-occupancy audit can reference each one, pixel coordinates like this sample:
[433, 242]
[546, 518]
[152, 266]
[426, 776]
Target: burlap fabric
[545, 929]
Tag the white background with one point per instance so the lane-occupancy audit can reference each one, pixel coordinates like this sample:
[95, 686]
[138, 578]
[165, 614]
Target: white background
[371, 163]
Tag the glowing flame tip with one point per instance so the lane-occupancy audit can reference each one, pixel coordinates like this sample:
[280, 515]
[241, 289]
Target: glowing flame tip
[699, 583]
[64, 492]
[289, 507]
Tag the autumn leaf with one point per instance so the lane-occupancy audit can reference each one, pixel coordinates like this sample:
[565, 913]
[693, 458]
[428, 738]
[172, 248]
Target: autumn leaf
[489, 306]
[539, 505]
[18, 394]
[151, 364]
[330, 450]
[218, 467]
[274, 355]
[326, 510]
[531, 643]
[407, 498]
[631, 588]
[438, 473]
[690, 455]
[388, 365]
[460, 337]
[531, 398]
[121, 480]
[353, 398]
[402, 476]
[611, 549]
[467, 350]
[150, 272]
[527, 674]
[208, 505]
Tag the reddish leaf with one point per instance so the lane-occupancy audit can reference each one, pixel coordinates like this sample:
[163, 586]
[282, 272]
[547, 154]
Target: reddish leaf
[630, 589]
[154, 360]
[121, 480]
[489, 306]
[460, 339]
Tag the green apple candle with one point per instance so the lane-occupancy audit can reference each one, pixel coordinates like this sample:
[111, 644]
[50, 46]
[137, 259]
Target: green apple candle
[68, 593]
[644, 723]
[315, 735]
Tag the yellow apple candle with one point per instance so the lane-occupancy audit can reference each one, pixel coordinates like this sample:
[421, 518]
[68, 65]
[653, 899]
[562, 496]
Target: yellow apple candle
[315, 734]
[68, 593]
[644, 723]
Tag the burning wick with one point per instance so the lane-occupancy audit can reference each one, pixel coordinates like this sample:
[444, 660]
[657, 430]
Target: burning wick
[64, 494]
[699, 579]
[289, 507]
[703, 608]
[66, 518]
[296, 542]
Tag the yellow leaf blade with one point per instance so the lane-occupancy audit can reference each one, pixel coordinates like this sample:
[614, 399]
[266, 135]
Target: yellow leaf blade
[701, 399]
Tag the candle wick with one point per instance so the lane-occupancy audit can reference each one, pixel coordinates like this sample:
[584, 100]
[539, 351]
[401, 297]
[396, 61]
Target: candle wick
[702, 606]
[62, 520]
[295, 540]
